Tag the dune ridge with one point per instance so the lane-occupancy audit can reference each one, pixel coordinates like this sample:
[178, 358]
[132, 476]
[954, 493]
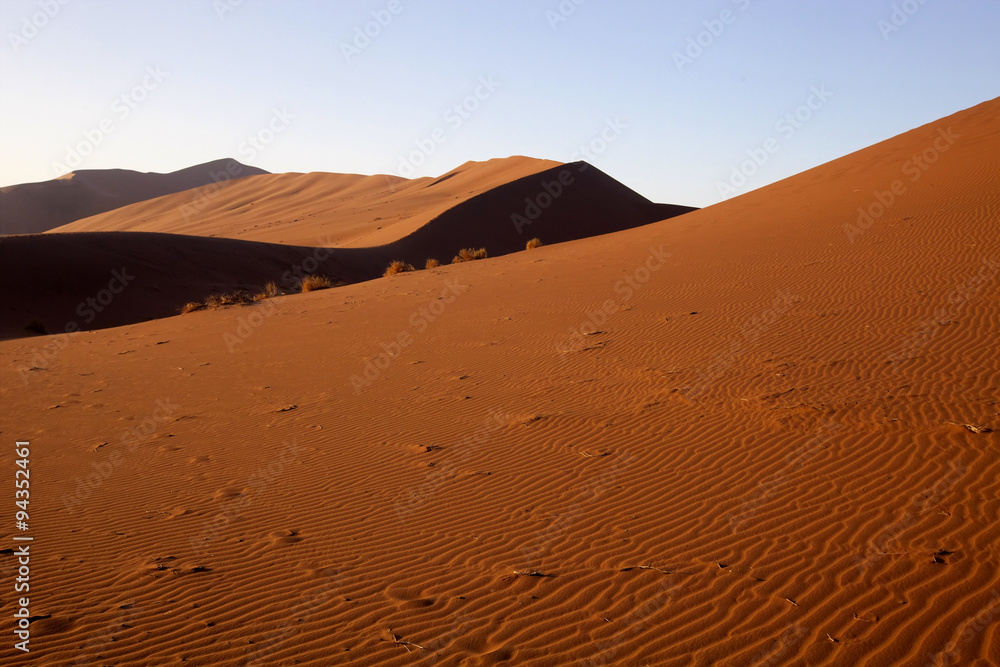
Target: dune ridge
[53, 279]
[346, 210]
[32, 208]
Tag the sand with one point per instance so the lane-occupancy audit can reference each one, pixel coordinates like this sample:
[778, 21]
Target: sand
[68, 281]
[32, 208]
[344, 210]
[757, 433]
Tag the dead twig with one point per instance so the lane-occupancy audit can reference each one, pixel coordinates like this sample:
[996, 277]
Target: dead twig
[975, 428]
[396, 639]
[647, 567]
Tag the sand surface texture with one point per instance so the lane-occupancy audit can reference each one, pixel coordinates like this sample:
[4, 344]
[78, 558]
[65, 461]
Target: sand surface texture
[755, 434]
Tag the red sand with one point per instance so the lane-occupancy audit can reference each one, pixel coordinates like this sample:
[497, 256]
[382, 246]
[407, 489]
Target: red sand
[31, 208]
[65, 282]
[764, 452]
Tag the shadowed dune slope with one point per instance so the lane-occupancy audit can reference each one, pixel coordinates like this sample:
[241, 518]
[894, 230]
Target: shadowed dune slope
[53, 278]
[314, 209]
[756, 434]
[94, 280]
[31, 208]
[563, 203]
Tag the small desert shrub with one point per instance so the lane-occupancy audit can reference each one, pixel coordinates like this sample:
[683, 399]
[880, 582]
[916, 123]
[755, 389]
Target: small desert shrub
[35, 326]
[468, 254]
[315, 281]
[235, 298]
[432, 264]
[270, 290]
[397, 267]
[238, 297]
[533, 243]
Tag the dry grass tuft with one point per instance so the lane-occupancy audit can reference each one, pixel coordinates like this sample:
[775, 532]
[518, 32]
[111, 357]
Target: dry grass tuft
[533, 243]
[315, 281]
[432, 264]
[469, 254]
[235, 298]
[244, 298]
[270, 290]
[238, 297]
[398, 267]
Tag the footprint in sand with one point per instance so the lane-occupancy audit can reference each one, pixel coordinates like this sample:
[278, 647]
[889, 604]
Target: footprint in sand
[285, 537]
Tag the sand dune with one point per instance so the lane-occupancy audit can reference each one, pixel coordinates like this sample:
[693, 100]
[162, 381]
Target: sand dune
[314, 209]
[67, 282]
[89, 280]
[31, 208]
[756, 434]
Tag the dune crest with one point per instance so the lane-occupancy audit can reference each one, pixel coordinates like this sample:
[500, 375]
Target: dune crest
[52, 278]
[346, 210]
[32, 208]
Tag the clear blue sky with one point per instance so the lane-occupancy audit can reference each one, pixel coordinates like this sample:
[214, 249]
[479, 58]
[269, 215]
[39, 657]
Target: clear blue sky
[676, 132]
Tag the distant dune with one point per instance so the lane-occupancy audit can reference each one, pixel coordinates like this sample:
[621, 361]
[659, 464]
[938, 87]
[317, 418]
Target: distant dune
[49, 278]
[31, 208]
[316, 208]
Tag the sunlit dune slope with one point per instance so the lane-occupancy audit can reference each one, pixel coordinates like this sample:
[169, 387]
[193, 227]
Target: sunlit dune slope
[762, 433]
[316, 209]
[31, 208]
